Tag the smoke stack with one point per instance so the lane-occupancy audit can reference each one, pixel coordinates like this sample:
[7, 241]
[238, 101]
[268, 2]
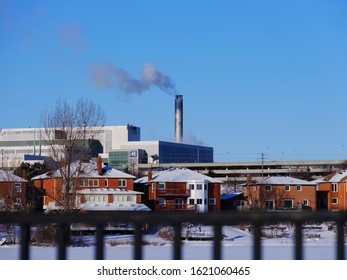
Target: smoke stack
[99, 165]
[179, 118]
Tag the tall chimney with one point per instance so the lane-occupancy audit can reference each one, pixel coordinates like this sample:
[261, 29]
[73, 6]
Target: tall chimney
[179, 118]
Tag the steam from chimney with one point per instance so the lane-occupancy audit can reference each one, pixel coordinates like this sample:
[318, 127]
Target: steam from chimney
[107, 75]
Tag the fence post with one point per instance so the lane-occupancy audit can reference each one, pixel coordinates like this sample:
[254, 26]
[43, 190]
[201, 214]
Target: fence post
[340, 241]
[99, 253]
[256, 243]
[61, 240]
[298, 240]
[177, 241]
[138, 242]
[217, 252]
[24, 240]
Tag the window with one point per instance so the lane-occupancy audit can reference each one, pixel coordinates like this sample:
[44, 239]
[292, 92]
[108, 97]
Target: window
[212, 201]
[287, 188]
[17, 201]
[161, 186]
[199, 201]
[298, 188]
[334, 200]
[17, 187]
[288, 203]
[269, 204]
[199, 186]
[106, 183]
[191, 201]
[95, 198]
[122, 183]
[191, 186]
[205, 187]
[305, 202]
[162, 201]
[82, 183]
[179, 201]
[268, 188]
[334, 187]
[95, 183]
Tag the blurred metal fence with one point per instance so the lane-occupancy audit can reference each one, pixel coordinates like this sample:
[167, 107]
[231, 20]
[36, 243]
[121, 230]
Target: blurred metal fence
[217, 220]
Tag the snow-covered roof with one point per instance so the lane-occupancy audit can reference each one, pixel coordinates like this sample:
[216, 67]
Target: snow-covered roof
[10, 177]
[113, 207]
[178, 175]
[340, 176]
[88, 170]
[119, 191]
[286, 180]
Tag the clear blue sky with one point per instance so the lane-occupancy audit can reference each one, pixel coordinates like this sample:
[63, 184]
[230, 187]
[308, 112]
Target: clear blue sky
[256, 76]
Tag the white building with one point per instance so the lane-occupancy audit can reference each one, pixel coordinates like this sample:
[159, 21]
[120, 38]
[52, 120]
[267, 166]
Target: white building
[120, 146]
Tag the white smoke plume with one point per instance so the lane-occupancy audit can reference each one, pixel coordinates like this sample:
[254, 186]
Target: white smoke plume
[108, 75]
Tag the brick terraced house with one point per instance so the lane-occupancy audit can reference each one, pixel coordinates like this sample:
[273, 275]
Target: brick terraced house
[180, 189]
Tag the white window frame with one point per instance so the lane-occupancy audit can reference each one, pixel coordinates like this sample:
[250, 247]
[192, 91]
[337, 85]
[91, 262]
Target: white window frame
[289, 199]
[106, 183]
[298, 188]
[334, 187]
[287, 188]
[191, 186]
[199, 187]
[334, 199]
[122, 183]
[306, 202]
[161, 186]
[17, 201]
[18, 187]
[199, 201]
[212, 201]
[268, 188]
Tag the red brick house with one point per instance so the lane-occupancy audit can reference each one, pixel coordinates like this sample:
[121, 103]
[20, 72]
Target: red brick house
[281, 193]
[180, 190]
[98, 188]
[332, 191]
[12, 192]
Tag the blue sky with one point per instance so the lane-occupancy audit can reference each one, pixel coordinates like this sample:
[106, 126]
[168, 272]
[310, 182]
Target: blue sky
[256, 76]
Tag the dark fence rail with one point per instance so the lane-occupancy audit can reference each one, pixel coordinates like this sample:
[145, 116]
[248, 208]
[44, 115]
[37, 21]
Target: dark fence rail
[217, 220]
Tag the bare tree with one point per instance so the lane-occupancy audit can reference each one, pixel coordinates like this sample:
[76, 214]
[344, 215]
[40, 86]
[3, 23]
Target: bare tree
[71, 132]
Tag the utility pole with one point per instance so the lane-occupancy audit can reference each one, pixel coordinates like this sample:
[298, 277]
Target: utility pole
[262, 165]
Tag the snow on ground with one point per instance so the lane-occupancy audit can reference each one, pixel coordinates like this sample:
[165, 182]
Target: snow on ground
[318, 244]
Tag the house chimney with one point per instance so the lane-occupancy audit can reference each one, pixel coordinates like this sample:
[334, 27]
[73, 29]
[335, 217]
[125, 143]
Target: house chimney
[99, 165]
[179, 118]
[150, 175]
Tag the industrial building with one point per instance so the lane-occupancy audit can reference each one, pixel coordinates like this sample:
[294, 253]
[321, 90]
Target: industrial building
[119, 146]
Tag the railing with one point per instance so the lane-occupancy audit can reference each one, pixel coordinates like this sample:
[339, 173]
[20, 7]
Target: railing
[174, 192]
[170, 206]
[217, 220]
